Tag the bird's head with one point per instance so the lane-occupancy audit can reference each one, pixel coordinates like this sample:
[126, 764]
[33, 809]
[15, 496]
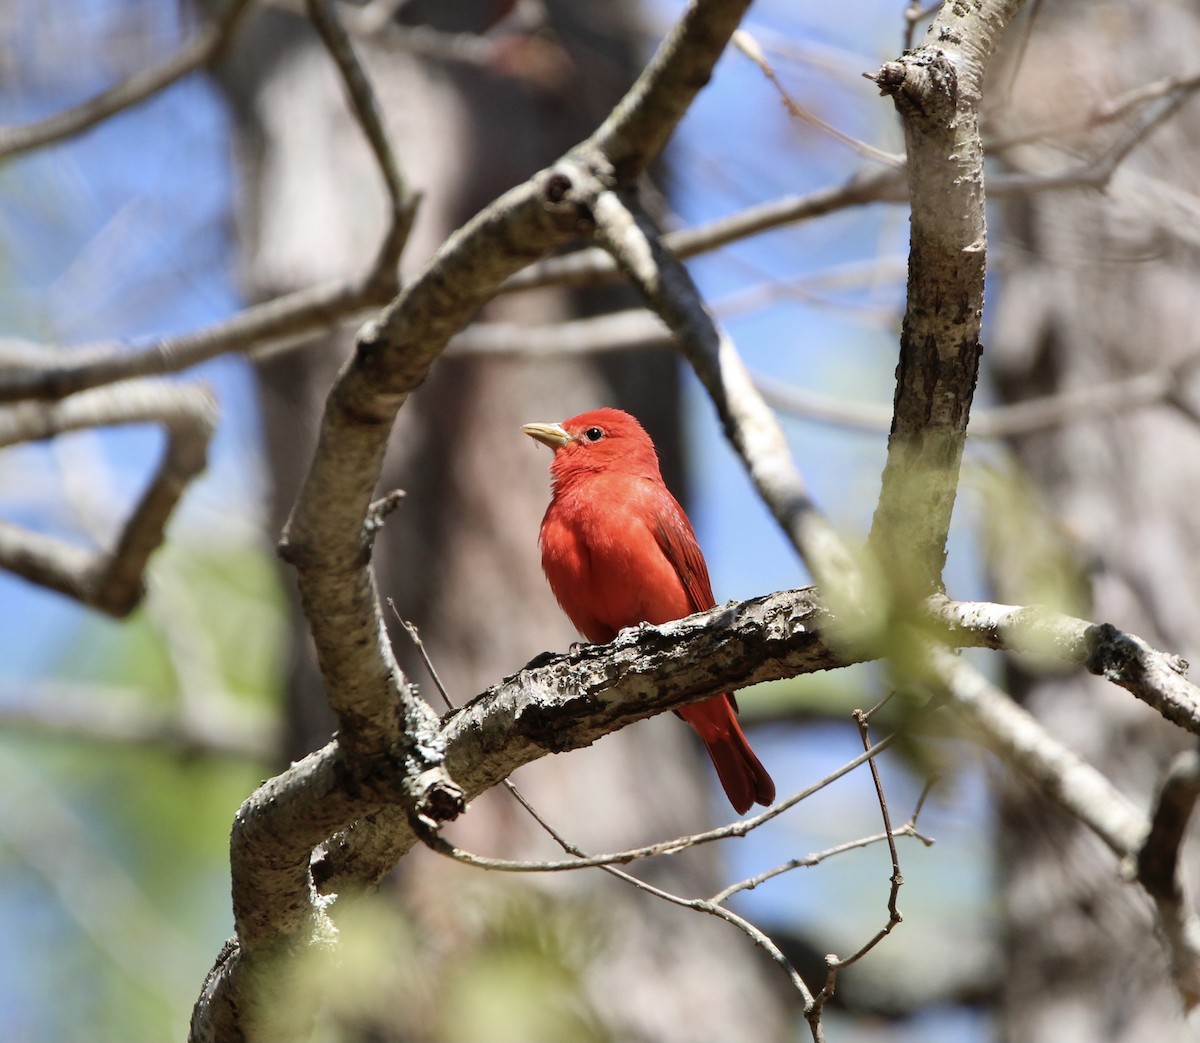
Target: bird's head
[602, 440]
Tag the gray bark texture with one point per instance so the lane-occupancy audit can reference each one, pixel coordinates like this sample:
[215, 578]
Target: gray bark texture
[460, 556]
[1094, 286]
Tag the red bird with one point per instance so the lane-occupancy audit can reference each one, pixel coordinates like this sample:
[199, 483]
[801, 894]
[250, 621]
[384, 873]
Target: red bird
[618, 550]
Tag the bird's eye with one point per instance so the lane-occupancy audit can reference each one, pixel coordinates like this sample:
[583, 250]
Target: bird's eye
[593, 434]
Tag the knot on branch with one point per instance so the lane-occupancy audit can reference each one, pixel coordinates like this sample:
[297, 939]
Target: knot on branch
[924, 86]
[1112, 655]
[570, 188]
[438, 797]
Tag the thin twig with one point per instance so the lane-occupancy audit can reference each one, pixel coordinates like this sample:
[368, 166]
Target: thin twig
[909, 829]
[833, 963]
[914, 13]
[748, 45]
[205, 46]
[401, 199]
[415, 637]
[284, 321]
[664, 847]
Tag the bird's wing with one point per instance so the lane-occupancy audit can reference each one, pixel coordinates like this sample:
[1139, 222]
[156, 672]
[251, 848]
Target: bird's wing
[678, 543]
[677, 540]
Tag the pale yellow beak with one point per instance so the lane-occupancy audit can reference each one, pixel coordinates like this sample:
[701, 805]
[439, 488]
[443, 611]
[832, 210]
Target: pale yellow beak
[553, 435]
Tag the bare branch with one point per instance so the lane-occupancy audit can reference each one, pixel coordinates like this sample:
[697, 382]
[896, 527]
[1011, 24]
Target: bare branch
[1156, 678]
[1158, 872]
[401, 199]
[205, 46]
[1087, 795]
[283, 321]
[833, 963]
[1157, 386]
[1059, 773]
[636, 131]
[110, 581]
[748, 45]
[589, 267]
[739, 828]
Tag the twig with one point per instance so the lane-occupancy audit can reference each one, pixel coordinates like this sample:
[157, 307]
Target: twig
[1098, 171]
[1104, 112]
[834, 964]
[712, 906]
[748, 45]
[914, 12]
[909, 829]
[401, 199]
[740, 828]
[419, 645]
[205, 46]
[1158, 872]
[110, 581]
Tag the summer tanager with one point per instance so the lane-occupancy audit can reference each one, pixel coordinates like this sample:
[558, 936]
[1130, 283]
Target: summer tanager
[618, 550]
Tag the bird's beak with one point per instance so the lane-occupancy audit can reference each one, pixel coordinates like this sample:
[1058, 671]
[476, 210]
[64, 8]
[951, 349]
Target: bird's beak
[553, 435]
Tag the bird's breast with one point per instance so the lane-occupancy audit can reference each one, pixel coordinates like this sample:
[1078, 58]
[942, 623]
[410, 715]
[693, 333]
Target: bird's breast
[605, 565]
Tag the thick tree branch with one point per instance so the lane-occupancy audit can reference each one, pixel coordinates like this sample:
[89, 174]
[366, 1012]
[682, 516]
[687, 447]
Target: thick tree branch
[937, 88]
[564, 702]
[635, 132]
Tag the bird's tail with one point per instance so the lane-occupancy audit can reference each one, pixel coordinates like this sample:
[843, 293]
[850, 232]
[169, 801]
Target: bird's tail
[742, 775]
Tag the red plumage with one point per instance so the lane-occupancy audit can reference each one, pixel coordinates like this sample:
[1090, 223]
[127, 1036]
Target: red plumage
[618, 550]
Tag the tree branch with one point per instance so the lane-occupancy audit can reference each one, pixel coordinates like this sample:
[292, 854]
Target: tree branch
[110, 581]
[937, 88]
[1086, 794]
[402, 201]
[205, 46]
[1156, 678]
